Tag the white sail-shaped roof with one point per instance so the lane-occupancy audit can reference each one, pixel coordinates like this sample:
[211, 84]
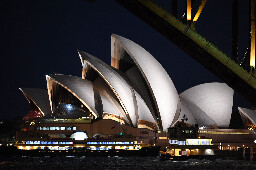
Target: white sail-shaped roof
[39, 97]
[110, 103]
[123, 91]
[214, 99]
[80, 88]
[249, 114]
[158, 81]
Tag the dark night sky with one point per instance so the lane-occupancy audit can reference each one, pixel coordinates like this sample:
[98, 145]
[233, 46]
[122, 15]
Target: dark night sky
[41, 37]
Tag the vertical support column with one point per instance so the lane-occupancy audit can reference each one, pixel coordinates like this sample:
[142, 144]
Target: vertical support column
[245, 63]
[235, 30]
[175, 8]
[252, 23]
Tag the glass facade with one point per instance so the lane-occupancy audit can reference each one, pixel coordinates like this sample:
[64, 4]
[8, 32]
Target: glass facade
[57, 128]
[66, 105]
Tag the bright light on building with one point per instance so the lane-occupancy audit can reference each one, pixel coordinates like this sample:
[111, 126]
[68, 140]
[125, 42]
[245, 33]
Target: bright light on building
[79, 136]
[69, 107]
[209, 152]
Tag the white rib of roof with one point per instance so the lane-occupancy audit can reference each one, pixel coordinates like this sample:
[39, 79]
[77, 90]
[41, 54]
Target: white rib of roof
[161, 86]
[249, 114]
[80, 88]
[39, 97]
[122, 90]
[109, 103]
[214, 99]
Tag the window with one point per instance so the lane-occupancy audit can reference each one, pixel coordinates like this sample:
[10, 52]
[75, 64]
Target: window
[74, 128]
[36, 142]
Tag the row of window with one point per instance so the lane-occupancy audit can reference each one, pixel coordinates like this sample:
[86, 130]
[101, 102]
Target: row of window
[47, 142]
[109, 143]
[57, 128]
[191, 142]
[177, 142]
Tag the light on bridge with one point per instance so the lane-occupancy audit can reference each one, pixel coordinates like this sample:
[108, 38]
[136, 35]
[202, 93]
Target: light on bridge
[189, 10]
[252, 53]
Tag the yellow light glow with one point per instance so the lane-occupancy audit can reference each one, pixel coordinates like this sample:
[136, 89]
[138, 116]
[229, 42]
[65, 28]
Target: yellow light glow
[252, 53]
[32, 123]
[199, 10]
[162, 137]
[188, 9]
[113, 117]
[177, 152]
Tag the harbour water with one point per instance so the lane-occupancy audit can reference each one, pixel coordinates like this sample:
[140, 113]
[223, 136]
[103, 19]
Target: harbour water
[71, 162]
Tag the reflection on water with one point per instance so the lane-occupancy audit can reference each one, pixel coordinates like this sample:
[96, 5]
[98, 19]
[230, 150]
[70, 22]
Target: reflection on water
[117, 163]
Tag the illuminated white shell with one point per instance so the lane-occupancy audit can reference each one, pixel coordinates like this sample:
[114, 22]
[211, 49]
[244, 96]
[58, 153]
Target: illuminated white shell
[123, 91]
[214, 99]
[39, 97]
[109, 102]
[195, 114]
[80, 88]
[249, 114]
[158, 81]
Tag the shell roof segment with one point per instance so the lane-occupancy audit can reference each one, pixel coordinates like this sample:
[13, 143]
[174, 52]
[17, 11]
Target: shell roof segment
[161, 86]
[39, 97]
[214, 99]
[250, 114]
[80, 88]
[201, 118]
[122, 90]
[110, 103]
[143, 110]
[186, 114]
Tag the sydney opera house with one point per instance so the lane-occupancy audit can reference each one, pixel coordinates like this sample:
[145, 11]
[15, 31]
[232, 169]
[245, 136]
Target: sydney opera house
[130, 104]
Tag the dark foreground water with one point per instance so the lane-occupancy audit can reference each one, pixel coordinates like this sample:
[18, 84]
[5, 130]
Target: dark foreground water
[134, 163]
